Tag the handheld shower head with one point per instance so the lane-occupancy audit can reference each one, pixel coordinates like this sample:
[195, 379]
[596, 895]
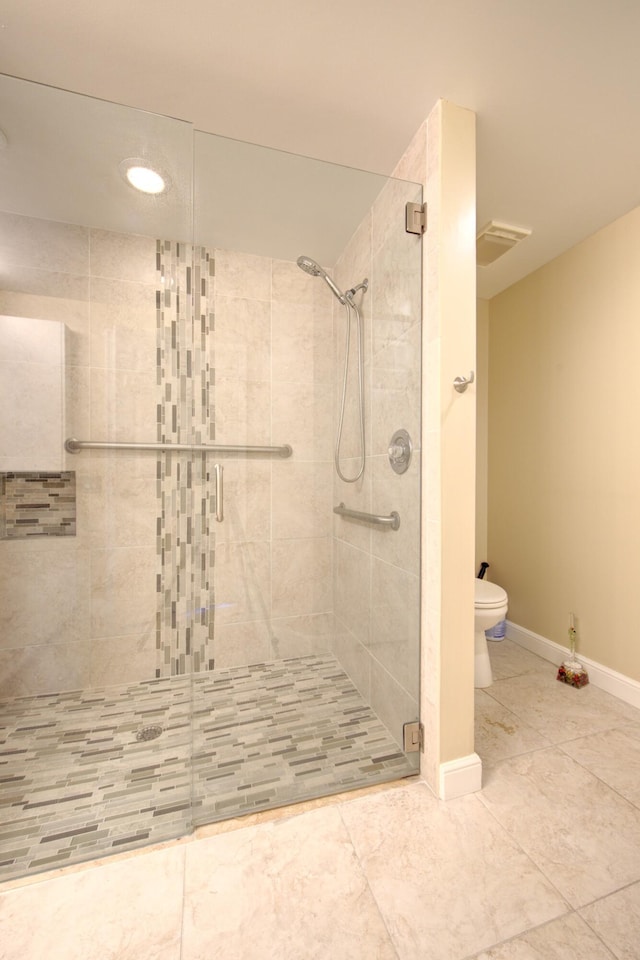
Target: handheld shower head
[309, 266]
[315, 270]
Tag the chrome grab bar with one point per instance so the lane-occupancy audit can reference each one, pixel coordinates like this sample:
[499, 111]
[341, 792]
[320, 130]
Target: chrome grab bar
[72, 445]
[218, 470]
[393, 520]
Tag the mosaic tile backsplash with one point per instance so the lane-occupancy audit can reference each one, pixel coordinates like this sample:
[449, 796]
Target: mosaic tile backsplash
[37, 505]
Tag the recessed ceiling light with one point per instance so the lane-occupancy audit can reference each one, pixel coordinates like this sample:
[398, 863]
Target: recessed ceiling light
[143, 177]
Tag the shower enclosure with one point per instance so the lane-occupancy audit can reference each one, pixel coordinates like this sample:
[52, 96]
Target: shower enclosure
[209, 523]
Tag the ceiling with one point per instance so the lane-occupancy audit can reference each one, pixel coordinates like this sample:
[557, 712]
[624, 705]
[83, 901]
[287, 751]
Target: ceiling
[555, 85]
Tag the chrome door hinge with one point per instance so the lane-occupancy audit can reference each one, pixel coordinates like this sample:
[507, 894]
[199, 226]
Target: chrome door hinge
[415, 218]
[412, 737]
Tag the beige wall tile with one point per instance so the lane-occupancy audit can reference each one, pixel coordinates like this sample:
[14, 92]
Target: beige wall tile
[123, 324]
[302, 636]
[45, 592]
[122, 256]
[356, 496]
[388, 212]
[301, 415]
[123, 405]
[242, 339]
[118, 502]
[352, 589]
[395, 623]
[397, 492]
[44, 244]
[243, 412]
[242, 275]
[394, 705]
[301, 343]
[301, 577]
[240, 644]
[247, 501]
[123, 592]
[354, 658]
[301, 500]
[33, 670]
[292, 285]
[117, 660]
[243, 582]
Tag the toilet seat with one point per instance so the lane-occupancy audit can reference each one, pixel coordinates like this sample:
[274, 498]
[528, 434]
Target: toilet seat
[489, 595]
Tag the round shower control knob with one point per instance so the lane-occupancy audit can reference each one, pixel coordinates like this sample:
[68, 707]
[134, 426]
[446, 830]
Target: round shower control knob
[400, 448]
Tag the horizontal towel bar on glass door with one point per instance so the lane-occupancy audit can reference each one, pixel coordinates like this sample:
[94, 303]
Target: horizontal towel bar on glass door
[76, 446]
[393, 520]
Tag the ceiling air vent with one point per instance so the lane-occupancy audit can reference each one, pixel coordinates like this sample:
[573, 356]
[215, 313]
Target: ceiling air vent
[495, 239]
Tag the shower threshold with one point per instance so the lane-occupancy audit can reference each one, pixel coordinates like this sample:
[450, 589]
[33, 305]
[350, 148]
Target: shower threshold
[89, 773]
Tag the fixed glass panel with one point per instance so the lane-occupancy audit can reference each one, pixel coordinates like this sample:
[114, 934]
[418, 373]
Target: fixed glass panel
[94, 696]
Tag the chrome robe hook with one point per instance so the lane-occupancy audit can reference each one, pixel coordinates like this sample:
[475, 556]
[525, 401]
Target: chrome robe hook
[461, 383]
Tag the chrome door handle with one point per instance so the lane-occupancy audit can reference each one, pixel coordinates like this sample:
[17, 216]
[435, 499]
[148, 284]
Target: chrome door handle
[218, 470]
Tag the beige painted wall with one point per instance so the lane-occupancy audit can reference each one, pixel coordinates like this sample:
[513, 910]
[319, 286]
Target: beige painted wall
[482, 431]
[564, 447]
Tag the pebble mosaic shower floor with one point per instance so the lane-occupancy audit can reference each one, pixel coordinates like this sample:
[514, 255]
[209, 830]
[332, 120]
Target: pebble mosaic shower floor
[88, 773]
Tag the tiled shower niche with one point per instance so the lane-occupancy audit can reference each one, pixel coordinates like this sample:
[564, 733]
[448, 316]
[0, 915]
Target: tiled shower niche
[37, 505]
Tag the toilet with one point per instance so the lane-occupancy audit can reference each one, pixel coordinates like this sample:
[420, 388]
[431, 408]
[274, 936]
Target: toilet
[490, 608]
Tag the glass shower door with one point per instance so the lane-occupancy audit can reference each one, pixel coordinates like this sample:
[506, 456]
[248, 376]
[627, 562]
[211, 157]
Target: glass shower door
[315, 616]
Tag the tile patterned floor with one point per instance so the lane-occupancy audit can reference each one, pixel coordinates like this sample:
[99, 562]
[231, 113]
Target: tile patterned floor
[76, 783]
[542, 864]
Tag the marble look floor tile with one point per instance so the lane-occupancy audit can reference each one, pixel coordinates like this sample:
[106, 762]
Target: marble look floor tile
[130, 910]
[559, 711]
[582, 835]
[616, 920]
[447, 879]
[283, 890]
[499, 733]
[510, 660]
[568, 938]
[613, 756]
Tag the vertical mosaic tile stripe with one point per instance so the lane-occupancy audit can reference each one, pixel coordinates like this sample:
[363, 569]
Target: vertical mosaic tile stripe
[185, 382]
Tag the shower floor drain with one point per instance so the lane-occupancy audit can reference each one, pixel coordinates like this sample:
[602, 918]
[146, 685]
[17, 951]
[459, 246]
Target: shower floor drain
[149, 733]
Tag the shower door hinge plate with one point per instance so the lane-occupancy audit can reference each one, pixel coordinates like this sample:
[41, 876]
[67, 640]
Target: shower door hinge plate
[415, 218]
[412, 737]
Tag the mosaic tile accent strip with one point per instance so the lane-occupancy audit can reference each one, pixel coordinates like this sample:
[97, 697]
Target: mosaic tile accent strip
[185, 379]
[76, 782]
[37, 505]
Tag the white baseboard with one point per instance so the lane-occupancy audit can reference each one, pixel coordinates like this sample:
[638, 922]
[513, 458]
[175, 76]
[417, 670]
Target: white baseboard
[459, 777]
[600, 676]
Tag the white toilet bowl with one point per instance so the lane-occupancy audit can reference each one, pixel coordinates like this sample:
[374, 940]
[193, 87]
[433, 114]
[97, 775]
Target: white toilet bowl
[490, 608]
